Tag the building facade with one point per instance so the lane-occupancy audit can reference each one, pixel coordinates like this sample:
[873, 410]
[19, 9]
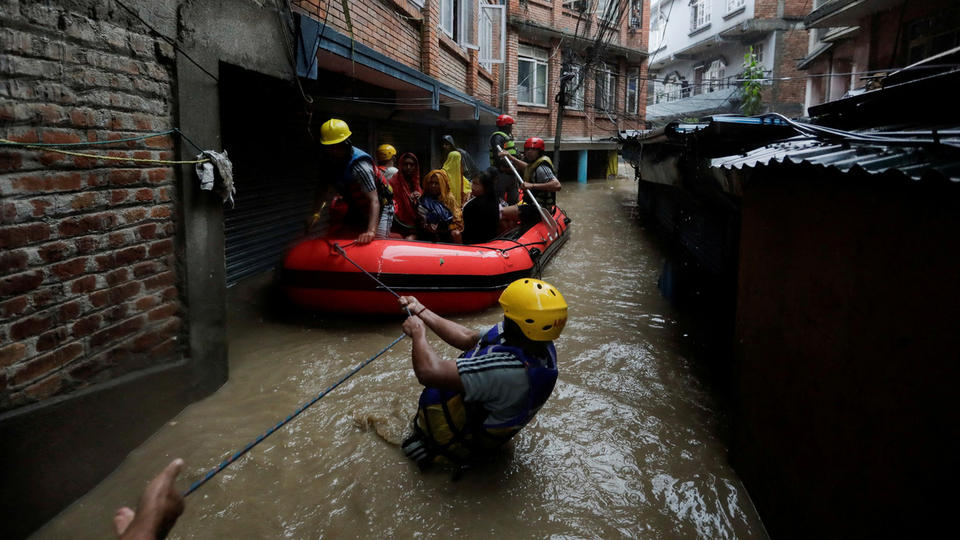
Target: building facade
[853, 44]
[697, 51]
[597, 48]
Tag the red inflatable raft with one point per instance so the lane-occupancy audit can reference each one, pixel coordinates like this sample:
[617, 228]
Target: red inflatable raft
[447, 278]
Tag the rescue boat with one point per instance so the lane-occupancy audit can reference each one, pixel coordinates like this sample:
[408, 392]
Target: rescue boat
[447, 278]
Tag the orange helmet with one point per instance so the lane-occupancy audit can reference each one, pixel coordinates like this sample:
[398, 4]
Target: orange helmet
[504, 120]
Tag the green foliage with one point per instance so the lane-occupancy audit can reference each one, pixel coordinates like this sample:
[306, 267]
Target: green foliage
[752, 84]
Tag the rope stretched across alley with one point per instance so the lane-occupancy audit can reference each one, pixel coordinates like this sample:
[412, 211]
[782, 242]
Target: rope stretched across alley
[226, 463]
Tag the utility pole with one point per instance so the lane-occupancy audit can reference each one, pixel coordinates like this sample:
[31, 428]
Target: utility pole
[561, 100]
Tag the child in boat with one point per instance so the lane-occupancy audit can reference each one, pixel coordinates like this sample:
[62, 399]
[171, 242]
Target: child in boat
[485, 215]
[440, 215]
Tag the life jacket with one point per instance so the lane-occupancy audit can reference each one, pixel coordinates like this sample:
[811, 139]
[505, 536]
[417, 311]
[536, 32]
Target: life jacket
[457, 432]
[547, 199]
[352, 191]
[509, 145]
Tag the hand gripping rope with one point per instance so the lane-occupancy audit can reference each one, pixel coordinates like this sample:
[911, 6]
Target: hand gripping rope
[226, 463]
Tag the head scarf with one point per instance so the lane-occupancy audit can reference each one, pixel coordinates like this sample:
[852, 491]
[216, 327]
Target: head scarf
[446, 198]
[403, 186]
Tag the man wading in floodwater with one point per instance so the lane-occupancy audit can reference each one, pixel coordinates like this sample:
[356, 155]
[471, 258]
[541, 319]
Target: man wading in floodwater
[498, 384]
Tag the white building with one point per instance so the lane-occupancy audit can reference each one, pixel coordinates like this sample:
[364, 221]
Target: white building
[697, 50]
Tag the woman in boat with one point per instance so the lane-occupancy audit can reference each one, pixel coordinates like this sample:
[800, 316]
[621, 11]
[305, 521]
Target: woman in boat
[484, 217]
[406, 196]
[440, 215]
[459, 168]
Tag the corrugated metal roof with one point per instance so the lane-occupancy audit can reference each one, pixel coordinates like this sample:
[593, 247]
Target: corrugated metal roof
[915, 162]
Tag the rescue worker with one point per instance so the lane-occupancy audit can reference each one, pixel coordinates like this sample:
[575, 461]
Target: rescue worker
[539, 179]
[368, 199]
[476, 403]
[503, 137]
[386, 154]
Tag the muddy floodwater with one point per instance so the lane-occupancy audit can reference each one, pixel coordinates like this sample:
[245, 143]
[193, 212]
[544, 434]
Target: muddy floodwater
[629, 446]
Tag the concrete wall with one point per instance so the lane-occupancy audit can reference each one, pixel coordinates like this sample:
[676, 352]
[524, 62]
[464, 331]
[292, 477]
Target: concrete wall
[846, 346]
[675, 35]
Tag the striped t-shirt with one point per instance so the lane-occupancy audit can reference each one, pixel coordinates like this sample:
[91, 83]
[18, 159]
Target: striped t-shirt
[498, 381]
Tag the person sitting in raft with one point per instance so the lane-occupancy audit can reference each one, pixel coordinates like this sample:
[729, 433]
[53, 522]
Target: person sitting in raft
[440, 217]
[459, 168]
[406, 196]
[476, 403]
[484, 217]
[362, 189]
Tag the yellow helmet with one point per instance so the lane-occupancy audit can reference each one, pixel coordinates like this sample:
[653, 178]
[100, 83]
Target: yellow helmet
[536, 306]
[334, 131]
[385, 152]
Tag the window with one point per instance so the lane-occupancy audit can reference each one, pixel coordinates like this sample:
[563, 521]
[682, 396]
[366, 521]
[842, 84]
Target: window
[492, 32]
[605, 95]
[605, 10]
[636, 14]
[446, 16]
[532, 76]
[698, 80]
[673, 86]
[575, 5]
[457, 18]
[714, 77]
[575, 86]
[633, 90]
[758, 51]
[699, 14]
[733, 5]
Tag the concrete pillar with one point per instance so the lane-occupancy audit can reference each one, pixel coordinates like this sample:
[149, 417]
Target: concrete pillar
[582, 167]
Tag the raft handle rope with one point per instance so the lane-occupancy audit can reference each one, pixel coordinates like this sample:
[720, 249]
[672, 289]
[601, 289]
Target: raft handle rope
[223, 465]
[343, 254]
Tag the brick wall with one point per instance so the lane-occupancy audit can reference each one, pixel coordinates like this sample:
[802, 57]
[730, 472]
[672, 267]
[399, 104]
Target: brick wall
[542, 122]
[87, 275]
[390, 27]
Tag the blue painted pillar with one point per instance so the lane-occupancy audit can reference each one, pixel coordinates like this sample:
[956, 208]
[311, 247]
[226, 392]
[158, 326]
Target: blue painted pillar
[582, 167]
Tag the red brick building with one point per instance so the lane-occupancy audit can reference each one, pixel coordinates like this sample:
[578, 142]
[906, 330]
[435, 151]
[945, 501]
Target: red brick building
[597, 42]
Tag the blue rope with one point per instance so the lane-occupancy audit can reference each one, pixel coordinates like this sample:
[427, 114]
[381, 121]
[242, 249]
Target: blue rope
[92, 143]
[280, 424]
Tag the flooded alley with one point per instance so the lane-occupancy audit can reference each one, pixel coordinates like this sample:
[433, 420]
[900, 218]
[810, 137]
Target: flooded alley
[629, 446]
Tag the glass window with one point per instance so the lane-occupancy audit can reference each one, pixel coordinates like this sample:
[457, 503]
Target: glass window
[532, 76]
[446, 17]
[699, 14]
[714, 77]
[636, 14]
[492, 34]
[733, 5]
[605, 95]
[633, 90]
[576, 87]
